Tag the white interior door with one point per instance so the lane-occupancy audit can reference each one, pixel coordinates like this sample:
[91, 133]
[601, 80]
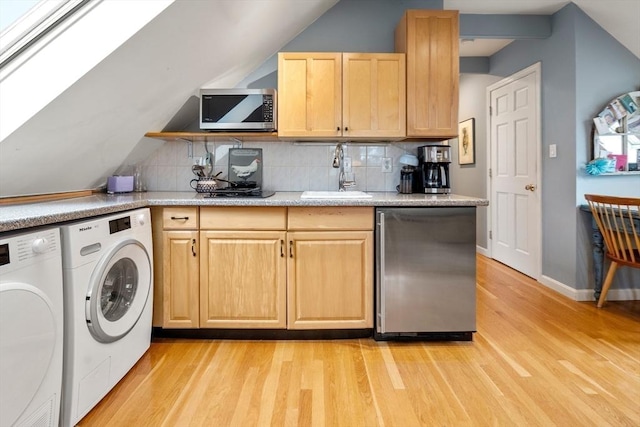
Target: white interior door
[515, 186]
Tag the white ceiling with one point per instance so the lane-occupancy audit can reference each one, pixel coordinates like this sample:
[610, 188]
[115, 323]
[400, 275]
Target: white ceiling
[620, 18]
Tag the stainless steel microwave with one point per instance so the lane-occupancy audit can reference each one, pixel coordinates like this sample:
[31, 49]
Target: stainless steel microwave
[238, 109]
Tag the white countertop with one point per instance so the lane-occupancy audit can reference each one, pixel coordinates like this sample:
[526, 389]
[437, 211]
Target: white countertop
[17, 217]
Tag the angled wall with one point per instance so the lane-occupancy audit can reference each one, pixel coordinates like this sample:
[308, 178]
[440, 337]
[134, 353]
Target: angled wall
[571, 96]
[83, 134]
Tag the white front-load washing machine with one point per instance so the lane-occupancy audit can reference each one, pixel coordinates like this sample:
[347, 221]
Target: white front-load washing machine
[108, 291]
[31, 328]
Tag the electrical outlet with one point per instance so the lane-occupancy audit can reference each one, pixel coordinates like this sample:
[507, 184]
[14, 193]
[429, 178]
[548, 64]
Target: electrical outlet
[552, 151]
[347, 164]
[386, 165]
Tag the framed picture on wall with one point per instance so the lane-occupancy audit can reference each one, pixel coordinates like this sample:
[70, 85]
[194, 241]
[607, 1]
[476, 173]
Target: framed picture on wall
[467, 142]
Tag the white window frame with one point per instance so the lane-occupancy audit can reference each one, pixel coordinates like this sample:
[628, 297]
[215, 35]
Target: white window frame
[34, 24]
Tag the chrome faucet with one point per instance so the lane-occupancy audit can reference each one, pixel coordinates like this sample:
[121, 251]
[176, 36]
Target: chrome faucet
[338, 163]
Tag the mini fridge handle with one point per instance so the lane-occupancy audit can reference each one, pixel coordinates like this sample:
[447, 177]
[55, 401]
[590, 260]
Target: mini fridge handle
[381, 273]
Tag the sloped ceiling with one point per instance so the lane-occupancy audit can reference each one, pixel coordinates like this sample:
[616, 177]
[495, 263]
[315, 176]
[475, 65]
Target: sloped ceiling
[88, 131]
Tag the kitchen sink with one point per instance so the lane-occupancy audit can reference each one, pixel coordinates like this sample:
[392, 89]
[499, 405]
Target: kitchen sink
[335, 195]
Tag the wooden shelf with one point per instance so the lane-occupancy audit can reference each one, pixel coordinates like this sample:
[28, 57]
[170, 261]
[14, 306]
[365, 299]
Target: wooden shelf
[213, 136]
[267, 136]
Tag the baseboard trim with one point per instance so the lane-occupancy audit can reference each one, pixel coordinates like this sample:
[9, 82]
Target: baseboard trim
[483, 251]
[628, 294]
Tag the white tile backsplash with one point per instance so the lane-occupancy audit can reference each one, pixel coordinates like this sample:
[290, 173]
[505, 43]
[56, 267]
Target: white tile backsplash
[286, 166]
[375, 155]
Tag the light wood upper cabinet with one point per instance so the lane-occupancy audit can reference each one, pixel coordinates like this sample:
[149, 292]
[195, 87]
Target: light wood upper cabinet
[430, 40]
[373, 95]
[341, 95]
[309, 94]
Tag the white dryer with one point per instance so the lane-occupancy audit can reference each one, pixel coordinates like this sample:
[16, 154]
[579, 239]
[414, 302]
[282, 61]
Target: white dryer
[31, 328]
[108, 291]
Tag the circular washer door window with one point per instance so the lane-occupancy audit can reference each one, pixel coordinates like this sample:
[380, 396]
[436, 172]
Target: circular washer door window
[119, 291]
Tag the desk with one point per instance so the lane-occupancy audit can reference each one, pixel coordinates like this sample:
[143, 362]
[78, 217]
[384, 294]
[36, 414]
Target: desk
[598, 248]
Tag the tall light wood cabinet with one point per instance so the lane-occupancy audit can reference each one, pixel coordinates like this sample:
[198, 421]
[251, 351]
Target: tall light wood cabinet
[340, 95]
[430, 40]
[243, 267]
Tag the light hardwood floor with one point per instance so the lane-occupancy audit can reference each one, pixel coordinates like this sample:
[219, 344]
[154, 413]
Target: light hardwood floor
[538, 359]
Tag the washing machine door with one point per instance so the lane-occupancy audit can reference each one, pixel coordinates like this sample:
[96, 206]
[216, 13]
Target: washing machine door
[27, 343]
[119, 290]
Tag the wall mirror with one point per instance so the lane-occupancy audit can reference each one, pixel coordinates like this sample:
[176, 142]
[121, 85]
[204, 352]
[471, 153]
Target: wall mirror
[616, 133]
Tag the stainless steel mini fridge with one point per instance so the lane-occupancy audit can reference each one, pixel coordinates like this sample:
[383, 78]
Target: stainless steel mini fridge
[425, 273]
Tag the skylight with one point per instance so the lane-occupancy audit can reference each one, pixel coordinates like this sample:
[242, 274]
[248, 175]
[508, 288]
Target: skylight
[24, 21]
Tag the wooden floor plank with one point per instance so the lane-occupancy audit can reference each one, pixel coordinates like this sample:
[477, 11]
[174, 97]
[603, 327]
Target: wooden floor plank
[538, 359]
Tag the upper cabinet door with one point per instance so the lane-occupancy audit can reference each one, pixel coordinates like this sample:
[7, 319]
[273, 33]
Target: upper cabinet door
[430, 40]
[374, 99]
[309, 94]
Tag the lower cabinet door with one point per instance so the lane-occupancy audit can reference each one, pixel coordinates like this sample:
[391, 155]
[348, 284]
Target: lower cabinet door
[330, 280]
[243, 279]
[181, 277]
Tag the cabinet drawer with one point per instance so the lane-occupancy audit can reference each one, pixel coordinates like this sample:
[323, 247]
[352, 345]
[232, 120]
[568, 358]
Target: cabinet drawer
[180, 218]
[243, 218]
[330, 218]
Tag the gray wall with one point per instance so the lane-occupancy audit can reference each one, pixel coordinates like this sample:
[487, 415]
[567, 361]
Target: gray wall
[600, 78]
[582, 68]
[349, 26]
[471, 180]
[577, 48]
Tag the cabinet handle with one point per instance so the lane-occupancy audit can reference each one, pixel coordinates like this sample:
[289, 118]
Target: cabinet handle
[183, 218]
[281, 248]
[290, 248]
[381, 270]
[338, 128]
[193, 247]
[346, 129]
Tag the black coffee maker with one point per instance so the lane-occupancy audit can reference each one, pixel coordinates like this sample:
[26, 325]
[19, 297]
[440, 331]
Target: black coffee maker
[432, 174]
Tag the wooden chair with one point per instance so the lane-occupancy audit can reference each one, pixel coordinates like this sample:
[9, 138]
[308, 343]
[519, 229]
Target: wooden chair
[618, 219]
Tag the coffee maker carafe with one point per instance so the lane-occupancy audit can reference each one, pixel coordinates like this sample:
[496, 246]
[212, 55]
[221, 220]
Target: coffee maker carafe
[433, 169]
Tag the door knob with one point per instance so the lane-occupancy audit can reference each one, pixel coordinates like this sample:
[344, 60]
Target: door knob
[530, 187]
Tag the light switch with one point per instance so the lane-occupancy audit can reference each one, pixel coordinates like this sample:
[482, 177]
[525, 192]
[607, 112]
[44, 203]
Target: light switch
[552, 151]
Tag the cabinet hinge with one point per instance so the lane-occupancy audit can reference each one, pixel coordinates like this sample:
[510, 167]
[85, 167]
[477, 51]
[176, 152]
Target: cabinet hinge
[490, 173]
[490, 235]
[490, 110]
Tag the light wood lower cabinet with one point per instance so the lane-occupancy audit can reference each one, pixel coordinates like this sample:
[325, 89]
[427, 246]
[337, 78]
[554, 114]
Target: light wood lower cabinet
[181, 279]
[243, 279]
[264, 267]
[176, 273]
[330, 280]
